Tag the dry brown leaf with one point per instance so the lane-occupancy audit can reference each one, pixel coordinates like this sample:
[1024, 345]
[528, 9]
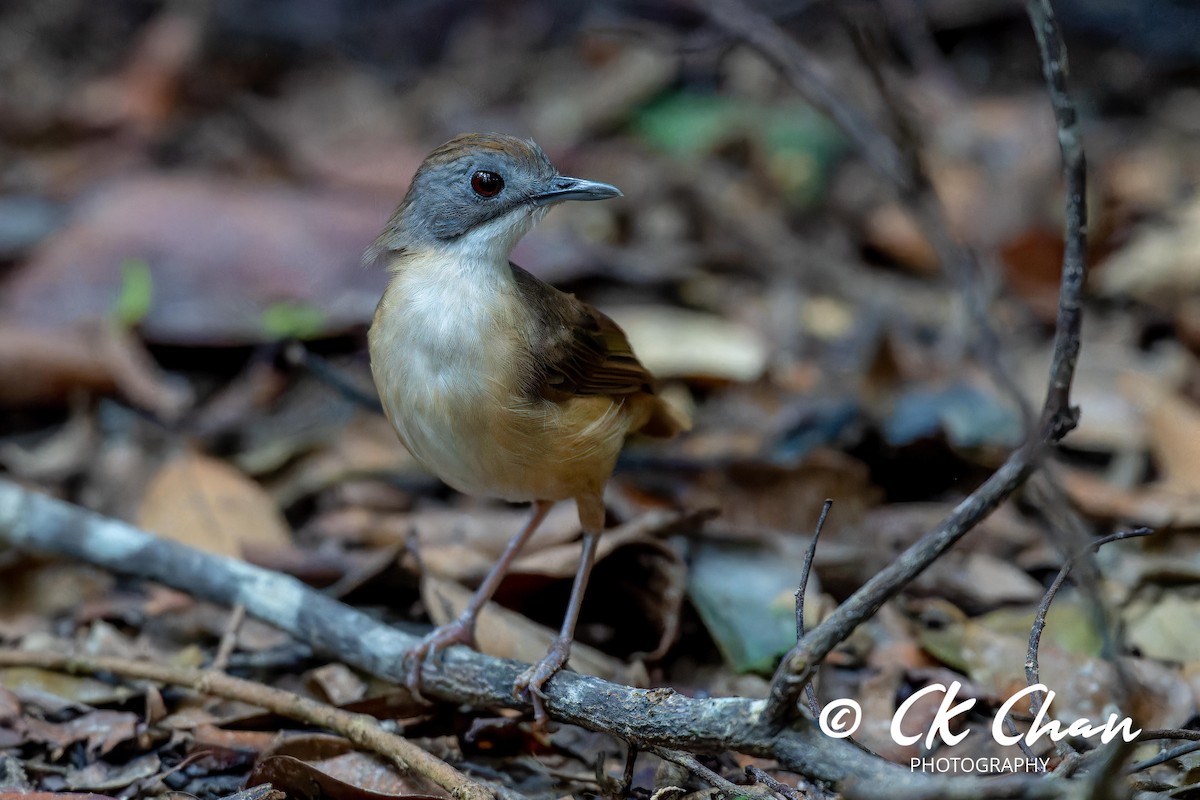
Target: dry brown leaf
[221, 254]
[1160, 264]
[674, 343]
[365, 446]
[506, 634]
[464, 545]
[207, 504]
[1167, 628]
[318, 765]
[338, 684]
[1155, 505]
[1174, 428]
[560, 560]
[44, 366]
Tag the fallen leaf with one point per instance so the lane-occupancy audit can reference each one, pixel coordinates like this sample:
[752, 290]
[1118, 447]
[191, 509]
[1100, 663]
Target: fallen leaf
[55, 691]
[675, 343]
[145, 94]
[102, 776]
[207, 504]
[102, 731]
[1084, 685]
[338, 684]
[201, 236]
[316, 766]
[1161, 264]
[42, 366]
[1155, 505]
[1174, 429]
[1167, 628]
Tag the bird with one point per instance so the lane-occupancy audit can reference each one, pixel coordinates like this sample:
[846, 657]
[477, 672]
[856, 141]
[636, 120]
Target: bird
[495, 381]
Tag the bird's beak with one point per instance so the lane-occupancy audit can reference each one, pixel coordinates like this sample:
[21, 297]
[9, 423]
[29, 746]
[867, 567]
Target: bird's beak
[561, 188]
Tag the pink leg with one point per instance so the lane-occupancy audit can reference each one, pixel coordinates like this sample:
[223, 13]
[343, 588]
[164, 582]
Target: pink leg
[462, 630]
[534, 678]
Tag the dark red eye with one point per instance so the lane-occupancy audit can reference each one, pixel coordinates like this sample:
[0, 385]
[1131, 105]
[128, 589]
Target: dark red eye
[487, 184]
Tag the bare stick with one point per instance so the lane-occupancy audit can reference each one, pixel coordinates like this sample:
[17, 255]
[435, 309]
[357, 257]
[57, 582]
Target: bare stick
[229, 638]
[726, 787]
[1032, 671]
[805, 571]
[1165, 756]
[362, 729]
[763, 777]
[1039, 618]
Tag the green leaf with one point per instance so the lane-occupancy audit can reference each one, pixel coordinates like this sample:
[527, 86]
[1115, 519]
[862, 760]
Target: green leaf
[136, 294]
[799, 145]
[746, 599]
[291, 320]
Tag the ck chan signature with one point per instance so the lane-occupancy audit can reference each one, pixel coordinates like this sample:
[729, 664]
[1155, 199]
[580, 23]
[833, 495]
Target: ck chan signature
[841, 718]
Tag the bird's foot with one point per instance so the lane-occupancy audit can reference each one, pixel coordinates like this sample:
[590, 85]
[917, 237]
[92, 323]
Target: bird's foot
[461, 631]
[533, 679]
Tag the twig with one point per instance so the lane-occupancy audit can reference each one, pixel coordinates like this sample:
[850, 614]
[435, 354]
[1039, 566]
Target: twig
[763, 777]
[631, 754]
[1169, 733]
[1032, 671]
[1039, 618]
[228, 638]
[805, 571]
[1164, 757]
[297, 354]
[361, 729]
[1057, 419]
[723, 785]
[1011, 728]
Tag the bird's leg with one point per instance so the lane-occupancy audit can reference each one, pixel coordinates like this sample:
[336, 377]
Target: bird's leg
[462, 629]
[591, 513]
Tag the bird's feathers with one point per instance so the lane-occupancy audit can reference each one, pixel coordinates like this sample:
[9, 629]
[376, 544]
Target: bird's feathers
[578, 351]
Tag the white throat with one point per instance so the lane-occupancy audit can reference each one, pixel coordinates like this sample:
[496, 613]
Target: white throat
[491, 244]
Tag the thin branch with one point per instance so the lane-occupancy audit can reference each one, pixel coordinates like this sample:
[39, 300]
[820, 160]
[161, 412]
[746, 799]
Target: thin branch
[228, 638]
[802, 591]
[728, 788]
[362, 729]
[1164, 757]
[1170, 733]
[779, 788]
[1032, 672]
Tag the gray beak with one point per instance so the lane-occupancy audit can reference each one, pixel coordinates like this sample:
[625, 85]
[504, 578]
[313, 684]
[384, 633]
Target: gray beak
[562, 188]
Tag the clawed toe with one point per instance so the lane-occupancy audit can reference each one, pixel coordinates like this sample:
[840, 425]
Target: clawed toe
[538, 675]
[458, 632]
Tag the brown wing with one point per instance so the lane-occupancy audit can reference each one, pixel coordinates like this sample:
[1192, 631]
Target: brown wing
[577, 349]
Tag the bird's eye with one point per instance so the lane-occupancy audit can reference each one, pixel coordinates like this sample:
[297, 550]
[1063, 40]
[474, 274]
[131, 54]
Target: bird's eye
[487, 184]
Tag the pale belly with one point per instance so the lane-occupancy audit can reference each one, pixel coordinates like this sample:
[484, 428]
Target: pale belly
[453, 398]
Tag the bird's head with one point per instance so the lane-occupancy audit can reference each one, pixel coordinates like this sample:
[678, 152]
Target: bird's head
[483, 192]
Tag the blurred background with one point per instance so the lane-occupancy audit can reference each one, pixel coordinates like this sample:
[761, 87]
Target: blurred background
[186, 189]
